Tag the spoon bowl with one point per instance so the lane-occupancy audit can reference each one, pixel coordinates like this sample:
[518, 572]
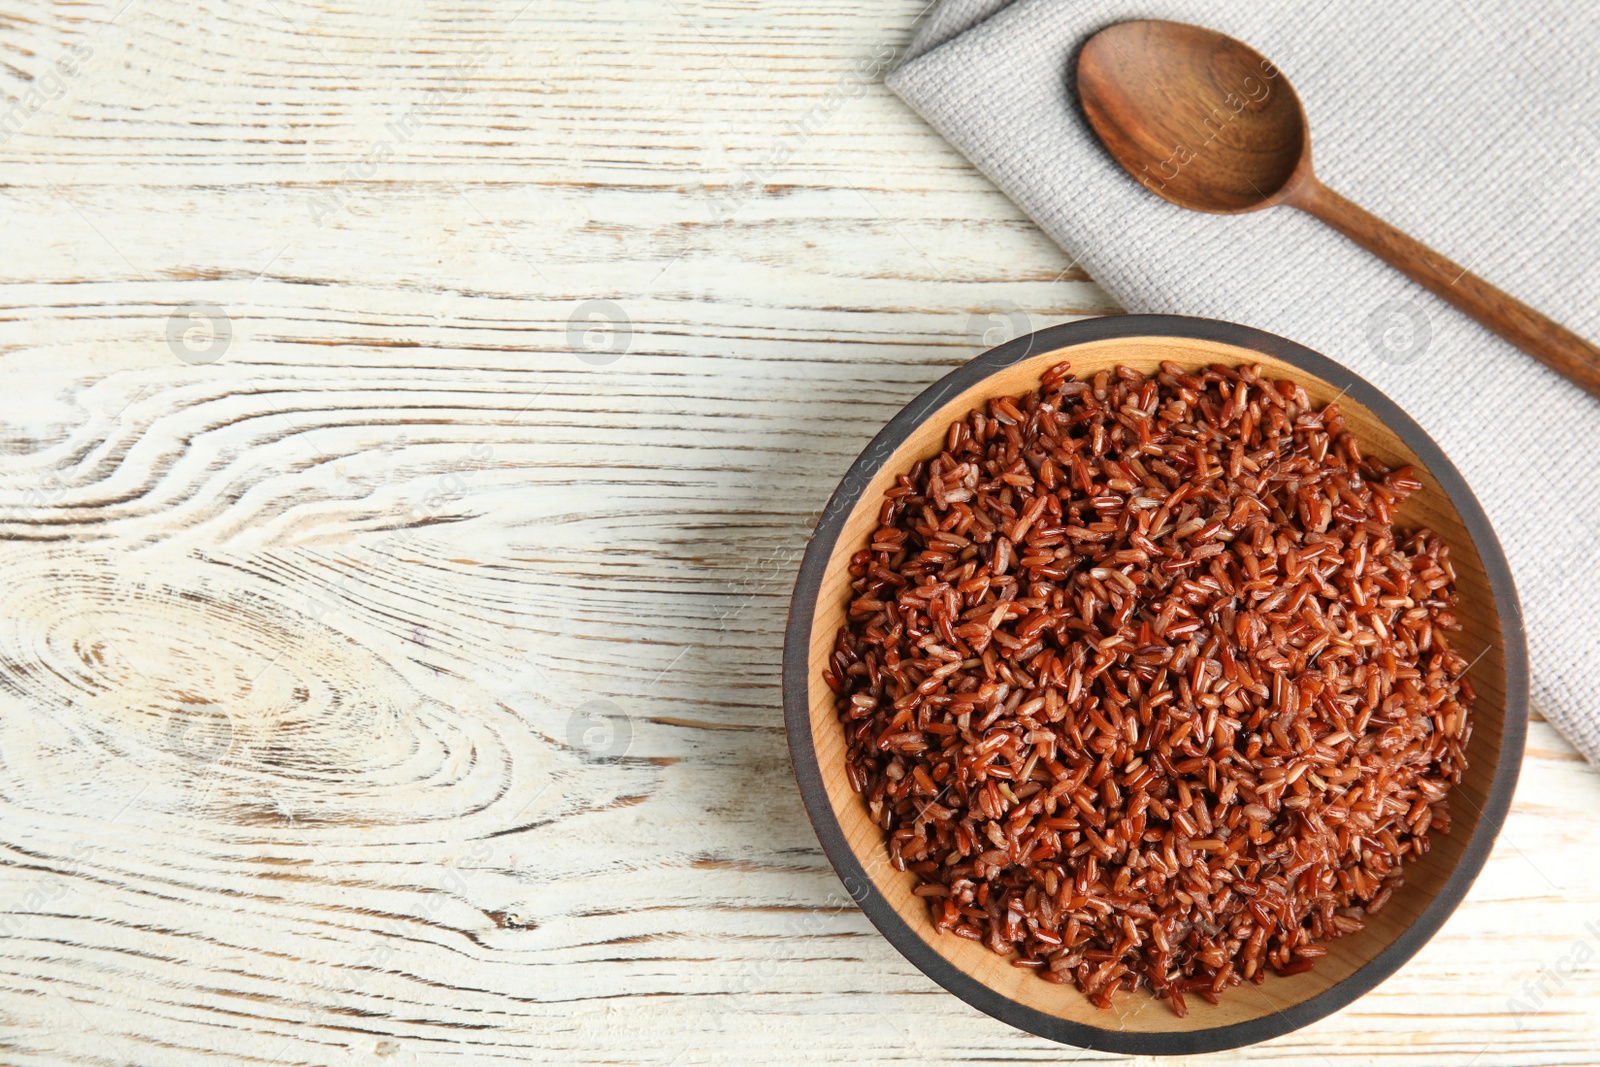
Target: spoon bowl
[1218, 127]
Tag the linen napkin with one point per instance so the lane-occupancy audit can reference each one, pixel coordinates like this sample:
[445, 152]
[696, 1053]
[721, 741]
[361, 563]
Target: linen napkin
[1474, 125]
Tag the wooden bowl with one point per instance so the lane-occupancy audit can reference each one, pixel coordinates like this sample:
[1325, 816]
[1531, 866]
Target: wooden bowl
[1138, 1023]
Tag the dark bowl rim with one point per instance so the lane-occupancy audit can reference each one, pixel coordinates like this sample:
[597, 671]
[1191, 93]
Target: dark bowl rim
[797, 704]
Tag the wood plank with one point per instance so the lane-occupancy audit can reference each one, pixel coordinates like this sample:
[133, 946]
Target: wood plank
[401, 686]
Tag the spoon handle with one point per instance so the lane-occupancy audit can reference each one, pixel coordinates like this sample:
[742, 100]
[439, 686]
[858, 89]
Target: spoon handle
[1542, 338]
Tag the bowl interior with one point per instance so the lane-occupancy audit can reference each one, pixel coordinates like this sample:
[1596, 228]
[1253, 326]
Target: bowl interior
[1481, 639]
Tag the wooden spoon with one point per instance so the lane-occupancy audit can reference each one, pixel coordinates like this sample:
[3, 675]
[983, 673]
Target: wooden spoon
[1210, 124]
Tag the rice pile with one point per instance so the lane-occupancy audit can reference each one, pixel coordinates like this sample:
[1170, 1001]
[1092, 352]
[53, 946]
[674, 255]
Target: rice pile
[1143, 684]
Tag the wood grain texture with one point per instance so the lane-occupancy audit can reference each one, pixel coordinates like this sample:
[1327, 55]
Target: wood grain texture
[394, 679]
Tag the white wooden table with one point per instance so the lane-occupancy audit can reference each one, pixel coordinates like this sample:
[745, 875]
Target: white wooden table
[389, 646]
